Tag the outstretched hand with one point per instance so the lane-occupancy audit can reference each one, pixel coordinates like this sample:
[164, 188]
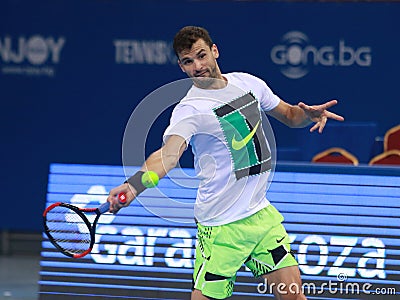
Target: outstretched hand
[319, 114]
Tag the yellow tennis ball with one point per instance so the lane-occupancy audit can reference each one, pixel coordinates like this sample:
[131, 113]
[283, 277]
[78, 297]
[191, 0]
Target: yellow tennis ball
[150, 179]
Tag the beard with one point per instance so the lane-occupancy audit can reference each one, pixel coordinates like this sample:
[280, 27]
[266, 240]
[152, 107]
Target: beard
[206, 82]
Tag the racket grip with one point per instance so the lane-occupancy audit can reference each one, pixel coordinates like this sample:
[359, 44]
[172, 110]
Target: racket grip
[104, 207]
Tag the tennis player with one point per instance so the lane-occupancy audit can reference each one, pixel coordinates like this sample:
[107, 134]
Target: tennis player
[221, 118]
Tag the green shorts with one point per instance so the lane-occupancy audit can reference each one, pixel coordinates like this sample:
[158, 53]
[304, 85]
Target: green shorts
[259, 241]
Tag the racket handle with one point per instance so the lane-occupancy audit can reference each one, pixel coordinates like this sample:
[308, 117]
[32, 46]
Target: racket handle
[104, 207]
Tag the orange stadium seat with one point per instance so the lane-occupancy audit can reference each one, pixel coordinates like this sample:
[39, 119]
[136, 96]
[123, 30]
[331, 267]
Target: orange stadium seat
[335, 155]
[391, 157]
[392, 139]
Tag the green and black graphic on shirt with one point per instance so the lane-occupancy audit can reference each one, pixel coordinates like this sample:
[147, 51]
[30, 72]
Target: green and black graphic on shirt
[241, 123]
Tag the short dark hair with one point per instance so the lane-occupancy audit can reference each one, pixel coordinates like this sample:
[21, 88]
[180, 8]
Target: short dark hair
[188, 35]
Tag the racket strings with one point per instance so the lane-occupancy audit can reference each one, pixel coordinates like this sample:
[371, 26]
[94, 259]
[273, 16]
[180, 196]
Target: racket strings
[68, 230]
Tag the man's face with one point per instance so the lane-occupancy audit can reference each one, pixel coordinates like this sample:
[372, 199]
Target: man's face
[200, 64]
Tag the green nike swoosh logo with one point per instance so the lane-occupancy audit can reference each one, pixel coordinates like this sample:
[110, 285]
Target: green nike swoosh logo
[237, 145]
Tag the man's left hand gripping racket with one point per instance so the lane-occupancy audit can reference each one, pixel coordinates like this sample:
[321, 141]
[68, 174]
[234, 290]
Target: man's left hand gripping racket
[69, 229]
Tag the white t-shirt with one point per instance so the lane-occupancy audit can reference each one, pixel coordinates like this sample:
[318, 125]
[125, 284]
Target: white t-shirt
[231, 154]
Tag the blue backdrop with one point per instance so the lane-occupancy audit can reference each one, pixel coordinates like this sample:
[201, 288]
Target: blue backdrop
[71, 73]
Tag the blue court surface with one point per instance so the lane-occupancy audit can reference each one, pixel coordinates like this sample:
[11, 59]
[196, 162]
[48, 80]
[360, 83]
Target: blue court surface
[19, 275]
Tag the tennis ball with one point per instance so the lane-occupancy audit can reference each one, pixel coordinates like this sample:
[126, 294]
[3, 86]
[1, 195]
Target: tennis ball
[150, 179]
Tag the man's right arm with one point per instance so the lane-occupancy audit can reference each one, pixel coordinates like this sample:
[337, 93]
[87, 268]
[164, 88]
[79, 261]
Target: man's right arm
[167, 157]
[160, 161]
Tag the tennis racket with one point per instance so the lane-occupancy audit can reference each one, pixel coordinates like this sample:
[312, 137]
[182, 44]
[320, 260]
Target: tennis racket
[69, 229]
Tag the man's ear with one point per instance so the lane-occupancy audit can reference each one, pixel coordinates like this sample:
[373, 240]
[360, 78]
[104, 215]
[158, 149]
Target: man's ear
[214, 50]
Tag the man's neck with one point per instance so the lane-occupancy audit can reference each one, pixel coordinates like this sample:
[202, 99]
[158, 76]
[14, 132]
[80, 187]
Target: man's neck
[212, 83]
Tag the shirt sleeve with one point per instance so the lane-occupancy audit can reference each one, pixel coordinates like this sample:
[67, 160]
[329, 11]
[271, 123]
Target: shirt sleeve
[184, 122]
[268, 100]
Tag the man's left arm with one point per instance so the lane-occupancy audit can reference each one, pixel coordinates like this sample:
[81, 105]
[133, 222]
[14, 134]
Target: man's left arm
[301, 115]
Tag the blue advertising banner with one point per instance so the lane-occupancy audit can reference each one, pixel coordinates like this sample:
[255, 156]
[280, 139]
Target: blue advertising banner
[343, 228]
[71, 73]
